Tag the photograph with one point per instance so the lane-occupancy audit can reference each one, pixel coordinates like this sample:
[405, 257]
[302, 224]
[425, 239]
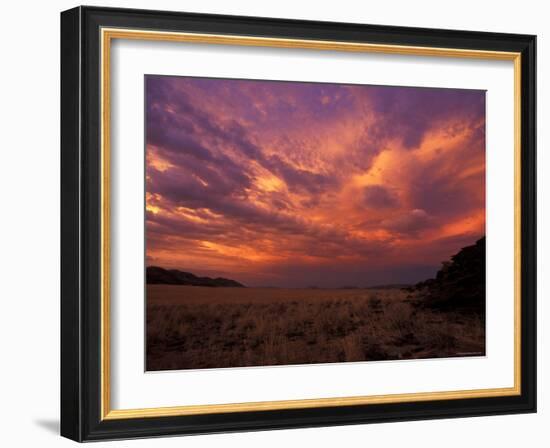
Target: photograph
[291, 222]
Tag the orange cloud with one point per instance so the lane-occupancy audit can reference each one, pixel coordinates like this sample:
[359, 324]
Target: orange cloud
[293, 184]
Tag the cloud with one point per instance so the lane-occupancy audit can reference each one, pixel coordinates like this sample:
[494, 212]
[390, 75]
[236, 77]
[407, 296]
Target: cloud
[410, 112]
[257, 176]
[378, 196]
[408, 223]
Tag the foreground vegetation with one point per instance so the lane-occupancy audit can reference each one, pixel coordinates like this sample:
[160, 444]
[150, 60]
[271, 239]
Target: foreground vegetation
[191, 327]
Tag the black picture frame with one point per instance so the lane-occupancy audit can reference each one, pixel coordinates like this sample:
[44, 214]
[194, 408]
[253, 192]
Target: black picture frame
[81, 224]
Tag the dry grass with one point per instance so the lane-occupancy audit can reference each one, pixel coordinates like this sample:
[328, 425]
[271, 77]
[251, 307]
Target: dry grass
[197, 327]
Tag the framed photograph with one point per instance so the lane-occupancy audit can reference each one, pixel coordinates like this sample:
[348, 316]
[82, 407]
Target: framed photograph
[274, 223]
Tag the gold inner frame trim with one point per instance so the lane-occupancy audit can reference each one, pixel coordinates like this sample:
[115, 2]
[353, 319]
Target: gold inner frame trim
[107, 35]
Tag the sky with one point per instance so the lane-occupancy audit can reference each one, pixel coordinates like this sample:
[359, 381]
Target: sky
[294, 184]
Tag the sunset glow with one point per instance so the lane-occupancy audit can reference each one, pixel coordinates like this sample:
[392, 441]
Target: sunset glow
[308, 184]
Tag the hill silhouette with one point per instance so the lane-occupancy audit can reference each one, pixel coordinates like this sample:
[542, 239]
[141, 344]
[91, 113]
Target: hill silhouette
[460, 284]
[160, 276]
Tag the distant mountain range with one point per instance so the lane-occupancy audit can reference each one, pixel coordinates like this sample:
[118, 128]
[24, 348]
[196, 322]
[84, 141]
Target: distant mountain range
[390, 286]
[160, 276]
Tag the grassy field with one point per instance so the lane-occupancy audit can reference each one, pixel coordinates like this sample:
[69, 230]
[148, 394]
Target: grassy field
[193, 327]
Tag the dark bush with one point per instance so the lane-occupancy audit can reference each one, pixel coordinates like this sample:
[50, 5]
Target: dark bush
[460, 284]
